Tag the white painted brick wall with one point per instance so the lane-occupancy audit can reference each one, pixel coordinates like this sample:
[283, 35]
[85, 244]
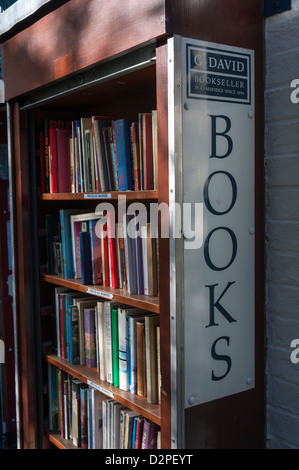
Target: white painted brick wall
[282, 227]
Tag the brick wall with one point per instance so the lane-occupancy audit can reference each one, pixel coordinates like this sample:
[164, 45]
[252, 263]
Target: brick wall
[282, 226]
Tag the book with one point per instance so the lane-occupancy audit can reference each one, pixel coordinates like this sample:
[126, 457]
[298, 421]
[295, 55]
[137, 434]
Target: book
[96, 254]
[57, 291]
[108, 305]
[141, 359]
[53, 234]
[63, 160]
[97, 418]
[158, 363]
[53, 161]
[147, 151]
[139, 432]
[89, 335]
[149, 437]
[84, 416]
[144, 259]
[85, 124]
[99, 122]
[121, 135]
[42, 161]
[80, 221]
[152, 259]
[113, 262]
[130, 252]
[128, 428]
[53, 398]
[76, 412]
[101, 339]
[135, 155]
[155, 146]
[114, 339]
[81, 304]
[74, 354]
[85, 254]
[66, 407]
[139, 259]
[46, 156]
[123, 345]
[151, 323]
[66, 241]
[132, 339]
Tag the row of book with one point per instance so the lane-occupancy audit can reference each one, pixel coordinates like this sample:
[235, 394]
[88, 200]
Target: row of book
[98, 154]
[121, 342]
[91, 420]
[101, 251]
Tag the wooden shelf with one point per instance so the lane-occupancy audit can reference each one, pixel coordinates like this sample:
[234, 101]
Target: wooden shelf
[61, 443]
[146, 302]
[86, 374]
[112, 195]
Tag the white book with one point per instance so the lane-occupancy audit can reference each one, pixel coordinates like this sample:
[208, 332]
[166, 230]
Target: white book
[144, 258]
[108, 305]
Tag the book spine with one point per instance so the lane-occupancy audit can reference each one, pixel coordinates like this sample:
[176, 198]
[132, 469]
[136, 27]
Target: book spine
[53, 162]
[85, 252]
[47, 157]
[147, 153]
[114, 336]
[123, 154]
[89, 335]
[123, 350]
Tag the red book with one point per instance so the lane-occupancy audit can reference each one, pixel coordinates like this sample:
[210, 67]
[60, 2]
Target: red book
[112, 251]
[42, 161]
[63, 160]
[53, 160]
[139, 432]
[147, 151]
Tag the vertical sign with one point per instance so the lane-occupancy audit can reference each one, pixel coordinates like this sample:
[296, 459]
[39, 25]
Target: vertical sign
[218, 200]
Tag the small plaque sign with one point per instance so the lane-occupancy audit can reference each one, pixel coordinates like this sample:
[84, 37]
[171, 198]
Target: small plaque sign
[218, 74]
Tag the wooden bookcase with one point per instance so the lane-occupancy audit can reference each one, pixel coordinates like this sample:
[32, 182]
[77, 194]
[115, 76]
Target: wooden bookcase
[85, 58]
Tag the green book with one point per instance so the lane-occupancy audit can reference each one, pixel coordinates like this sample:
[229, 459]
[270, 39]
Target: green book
[114, 335]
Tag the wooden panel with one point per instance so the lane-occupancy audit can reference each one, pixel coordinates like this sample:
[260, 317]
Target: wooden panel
[23, 288]
[75, 36]
[163, 197]
[236, 421]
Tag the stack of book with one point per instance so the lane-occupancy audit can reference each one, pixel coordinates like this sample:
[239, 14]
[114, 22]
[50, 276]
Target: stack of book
[101, 251]
[98, 154]
[121, 342]
[91, 420]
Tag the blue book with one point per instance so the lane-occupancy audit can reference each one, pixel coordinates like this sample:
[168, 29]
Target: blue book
[85, 254]
[123, 154]
[66, 240]
[74, 351]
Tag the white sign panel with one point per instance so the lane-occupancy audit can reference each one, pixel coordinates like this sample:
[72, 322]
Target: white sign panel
[218, 187]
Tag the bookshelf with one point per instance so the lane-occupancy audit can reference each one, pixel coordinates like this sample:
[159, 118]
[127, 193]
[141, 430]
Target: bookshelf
[124, 71]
